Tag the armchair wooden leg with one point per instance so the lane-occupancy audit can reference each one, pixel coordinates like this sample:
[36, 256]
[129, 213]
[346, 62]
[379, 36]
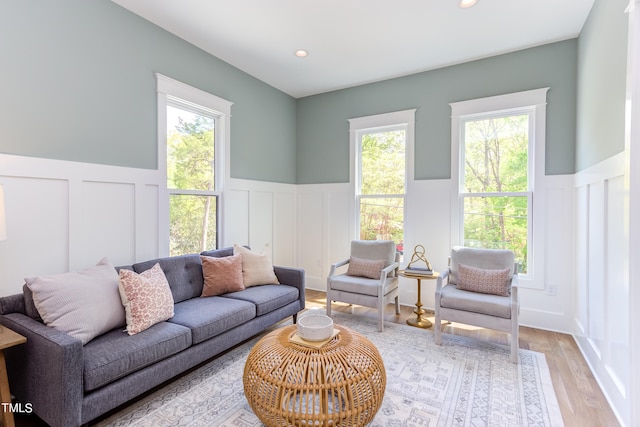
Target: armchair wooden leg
[514, 345]
[397, 306]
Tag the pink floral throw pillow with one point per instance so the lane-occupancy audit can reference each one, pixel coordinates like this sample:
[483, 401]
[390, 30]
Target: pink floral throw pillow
[476, 279]
[368, 268]
[146, 298]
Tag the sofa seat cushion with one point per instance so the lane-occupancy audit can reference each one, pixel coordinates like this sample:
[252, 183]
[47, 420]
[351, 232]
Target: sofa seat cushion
[116, 354]
[211, 316]
[361, 285]
[491, 305]
[266, 298]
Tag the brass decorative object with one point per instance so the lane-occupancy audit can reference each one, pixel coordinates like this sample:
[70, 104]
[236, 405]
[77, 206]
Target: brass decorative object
[339, 384]
[417, 257]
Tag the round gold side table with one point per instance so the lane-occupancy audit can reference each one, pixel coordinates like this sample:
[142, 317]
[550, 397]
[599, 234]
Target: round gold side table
[419, 321]
[339, 384]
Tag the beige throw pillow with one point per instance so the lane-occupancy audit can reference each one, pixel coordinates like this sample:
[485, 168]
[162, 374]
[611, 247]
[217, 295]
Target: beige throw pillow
[84, 304]
[476, 279]
[257, 268]
[221, 275]
[365, 267]
[146, 297]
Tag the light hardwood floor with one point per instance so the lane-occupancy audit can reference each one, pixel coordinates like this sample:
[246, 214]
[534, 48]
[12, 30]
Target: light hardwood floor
[581, 400]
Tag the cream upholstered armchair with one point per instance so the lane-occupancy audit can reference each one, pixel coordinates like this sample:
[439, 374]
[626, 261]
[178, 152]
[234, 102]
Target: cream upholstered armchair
[480, 288]
[371, 279]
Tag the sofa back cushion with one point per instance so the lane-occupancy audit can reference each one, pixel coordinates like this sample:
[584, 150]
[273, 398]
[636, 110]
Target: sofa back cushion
[184, 274]
[30, 306]
[219, 253]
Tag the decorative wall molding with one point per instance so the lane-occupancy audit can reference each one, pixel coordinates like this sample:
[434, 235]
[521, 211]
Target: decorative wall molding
[65, 215]
[602, 300]
[324, 235]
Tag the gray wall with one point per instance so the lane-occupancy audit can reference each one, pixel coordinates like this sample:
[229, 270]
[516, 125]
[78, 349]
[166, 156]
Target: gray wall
[78, 84]
[322, 132]
[602, 69]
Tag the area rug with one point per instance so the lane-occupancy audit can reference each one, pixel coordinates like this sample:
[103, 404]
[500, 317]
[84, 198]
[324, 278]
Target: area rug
[463, 382]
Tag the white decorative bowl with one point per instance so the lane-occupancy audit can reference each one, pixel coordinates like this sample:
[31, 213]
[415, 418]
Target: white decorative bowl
[315, 327]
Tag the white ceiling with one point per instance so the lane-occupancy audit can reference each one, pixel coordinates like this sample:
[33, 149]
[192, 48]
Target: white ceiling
[351, 42]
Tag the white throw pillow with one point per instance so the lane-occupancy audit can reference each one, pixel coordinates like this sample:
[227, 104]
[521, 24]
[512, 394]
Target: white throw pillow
[84, 304]
[257, 268]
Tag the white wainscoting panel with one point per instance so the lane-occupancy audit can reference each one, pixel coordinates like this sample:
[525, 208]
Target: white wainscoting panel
[236, 216]
[64, 216]
[104, 223]
[147, 239]
[258, 213]
[617, 301]
[582, 272]
[602, 315]
[546, 300]
[37, 230]
[260, 219]
[596, 264]
[310, 237]
[339, 227]
[284, 226]
[428, 223]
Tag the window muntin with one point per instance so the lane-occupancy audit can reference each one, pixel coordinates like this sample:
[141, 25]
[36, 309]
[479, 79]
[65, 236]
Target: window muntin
[496, 183]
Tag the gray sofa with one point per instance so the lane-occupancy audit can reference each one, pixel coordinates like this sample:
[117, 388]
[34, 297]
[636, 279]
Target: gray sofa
[69, 384]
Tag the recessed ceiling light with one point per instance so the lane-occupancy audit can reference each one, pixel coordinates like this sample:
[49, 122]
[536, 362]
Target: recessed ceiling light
[467, 3]
[301, 53]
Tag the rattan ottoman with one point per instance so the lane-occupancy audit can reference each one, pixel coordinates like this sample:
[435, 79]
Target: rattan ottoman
[339, 384]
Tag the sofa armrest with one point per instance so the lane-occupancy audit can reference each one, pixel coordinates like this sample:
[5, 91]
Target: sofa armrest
[46, 371]
[292, 277]
[12, 304]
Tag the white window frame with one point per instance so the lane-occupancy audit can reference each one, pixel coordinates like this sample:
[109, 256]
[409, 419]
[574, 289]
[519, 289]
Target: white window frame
[175, 93]
[398, 120]
[532, 102]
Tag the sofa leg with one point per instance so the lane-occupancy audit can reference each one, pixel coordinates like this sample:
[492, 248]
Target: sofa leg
[295, 318]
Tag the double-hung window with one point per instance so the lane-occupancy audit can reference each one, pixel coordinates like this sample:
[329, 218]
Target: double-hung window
[496, 140]
[191, 152]
[379, 145]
